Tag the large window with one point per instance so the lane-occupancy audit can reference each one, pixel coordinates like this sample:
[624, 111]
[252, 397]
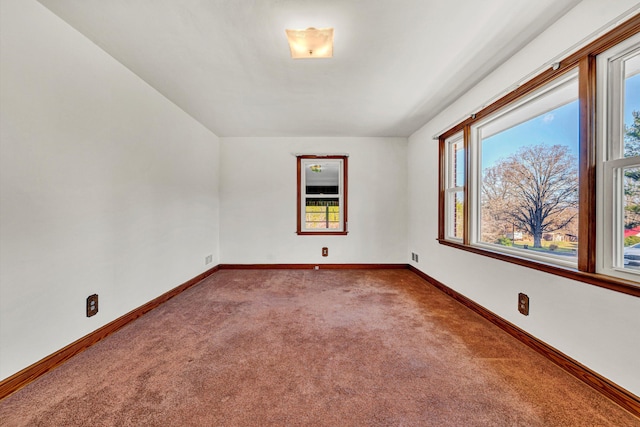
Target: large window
[526, 159]
[542, 179]
[618, 71]
[322, 195]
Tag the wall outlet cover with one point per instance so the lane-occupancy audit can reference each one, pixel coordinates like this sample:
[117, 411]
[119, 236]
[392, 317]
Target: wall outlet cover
[523, 304]
[92, 305]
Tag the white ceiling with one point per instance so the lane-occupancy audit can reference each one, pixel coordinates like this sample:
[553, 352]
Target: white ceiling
[396, 64]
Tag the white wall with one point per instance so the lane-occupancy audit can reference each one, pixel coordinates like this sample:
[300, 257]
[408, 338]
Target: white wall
[105, 187]
[595, 326]
[258, 201]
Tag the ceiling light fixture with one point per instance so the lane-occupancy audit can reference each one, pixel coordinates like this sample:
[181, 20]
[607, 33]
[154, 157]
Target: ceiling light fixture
[311, 43]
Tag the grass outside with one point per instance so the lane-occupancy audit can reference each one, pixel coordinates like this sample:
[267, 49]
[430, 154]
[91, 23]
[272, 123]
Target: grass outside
[560, 247]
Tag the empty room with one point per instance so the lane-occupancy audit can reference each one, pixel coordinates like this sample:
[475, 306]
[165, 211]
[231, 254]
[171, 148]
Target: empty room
[320, 212]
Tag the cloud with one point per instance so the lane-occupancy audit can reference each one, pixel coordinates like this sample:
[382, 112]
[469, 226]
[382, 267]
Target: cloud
[548, 118]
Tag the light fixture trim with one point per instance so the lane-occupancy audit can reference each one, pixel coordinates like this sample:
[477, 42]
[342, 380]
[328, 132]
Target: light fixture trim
[311, 43]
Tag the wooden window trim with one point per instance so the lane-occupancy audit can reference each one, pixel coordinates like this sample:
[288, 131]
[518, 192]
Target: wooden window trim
[584, 60]
[442, 179]
[345, 176]
[587, 206]
[444, 170]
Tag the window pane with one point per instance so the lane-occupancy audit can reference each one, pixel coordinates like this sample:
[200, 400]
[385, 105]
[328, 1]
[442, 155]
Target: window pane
[456, 165]
[322, 214]
[631, 213]
[322, 178]
[454, 187]
[457, 214]
[529, 167]
[632, 106]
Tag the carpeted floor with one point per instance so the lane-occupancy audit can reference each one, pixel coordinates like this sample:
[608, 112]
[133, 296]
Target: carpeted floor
[317, 348]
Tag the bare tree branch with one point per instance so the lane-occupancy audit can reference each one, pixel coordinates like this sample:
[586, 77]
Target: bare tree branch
[536, 189]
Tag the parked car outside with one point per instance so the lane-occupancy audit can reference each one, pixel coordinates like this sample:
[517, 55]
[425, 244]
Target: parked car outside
[632, 255]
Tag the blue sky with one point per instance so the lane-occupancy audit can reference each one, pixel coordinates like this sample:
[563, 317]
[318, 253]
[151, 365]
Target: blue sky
[631, 98]
[559, 126]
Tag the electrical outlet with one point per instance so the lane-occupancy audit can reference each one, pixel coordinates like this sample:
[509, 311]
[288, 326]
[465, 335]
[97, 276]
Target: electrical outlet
[208, 259]
[317, 267]
[325, 251]
[523, 304]
[92, 305]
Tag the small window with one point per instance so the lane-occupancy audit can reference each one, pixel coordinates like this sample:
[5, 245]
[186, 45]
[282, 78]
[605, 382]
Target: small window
[454, 192]
[526, 191]
[322, 195]
[619, 154]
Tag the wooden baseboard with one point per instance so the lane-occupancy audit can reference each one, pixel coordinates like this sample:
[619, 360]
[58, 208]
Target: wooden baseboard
[30, 373]
[621, 396]
[311, 266]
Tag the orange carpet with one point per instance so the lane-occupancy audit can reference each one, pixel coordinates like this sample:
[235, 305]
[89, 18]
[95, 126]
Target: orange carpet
[316, 348]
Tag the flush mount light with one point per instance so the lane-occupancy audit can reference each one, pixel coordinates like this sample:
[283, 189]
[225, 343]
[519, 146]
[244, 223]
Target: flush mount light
[311, 43]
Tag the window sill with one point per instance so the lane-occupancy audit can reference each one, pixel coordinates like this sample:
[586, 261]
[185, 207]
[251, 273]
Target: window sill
[614, 284]
[322, 233]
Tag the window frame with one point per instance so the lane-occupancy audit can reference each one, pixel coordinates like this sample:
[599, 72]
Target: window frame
[611, 159]
[342, 195]
[475, 156]
[451, 187]
[584, 60]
